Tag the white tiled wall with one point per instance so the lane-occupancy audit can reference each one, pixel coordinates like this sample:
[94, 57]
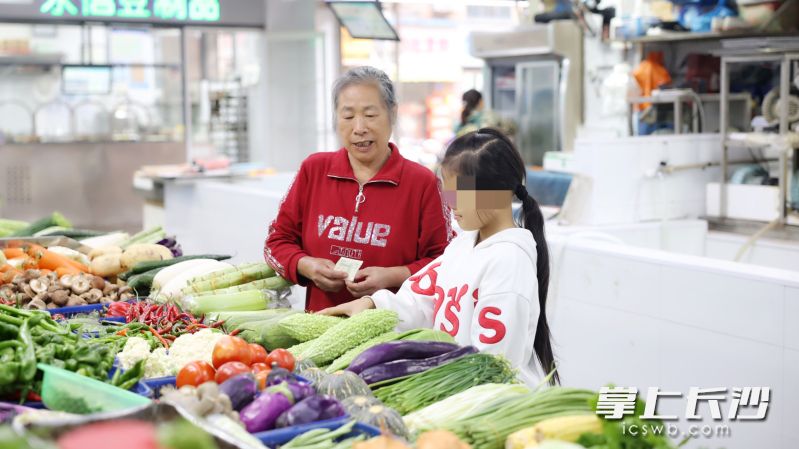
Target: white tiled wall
[646, 318]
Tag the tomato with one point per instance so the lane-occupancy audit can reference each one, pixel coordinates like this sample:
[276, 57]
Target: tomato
[260, 378]
[195, 374]
[231, 349]
[258, 367]
[283, 358]
[258, 353]
[229, 370]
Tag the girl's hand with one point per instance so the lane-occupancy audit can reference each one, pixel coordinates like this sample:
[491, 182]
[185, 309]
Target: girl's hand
[372, 279]
[351, 308]
[321, 272]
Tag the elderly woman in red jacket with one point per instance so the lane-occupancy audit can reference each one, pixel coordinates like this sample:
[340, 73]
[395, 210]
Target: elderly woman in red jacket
[364, 202]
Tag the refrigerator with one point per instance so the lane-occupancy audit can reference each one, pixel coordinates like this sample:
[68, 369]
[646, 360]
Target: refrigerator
[533, 76]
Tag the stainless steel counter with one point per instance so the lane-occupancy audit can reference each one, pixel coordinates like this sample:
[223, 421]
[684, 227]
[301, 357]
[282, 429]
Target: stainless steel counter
[90, 183]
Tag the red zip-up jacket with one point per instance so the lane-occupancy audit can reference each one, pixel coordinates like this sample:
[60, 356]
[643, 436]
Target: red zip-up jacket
[401, 220]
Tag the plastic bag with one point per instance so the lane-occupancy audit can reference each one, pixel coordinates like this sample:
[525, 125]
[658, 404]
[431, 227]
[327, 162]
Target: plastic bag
[650, 75]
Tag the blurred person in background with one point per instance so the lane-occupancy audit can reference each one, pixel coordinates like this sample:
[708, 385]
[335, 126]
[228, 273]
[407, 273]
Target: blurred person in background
[475, 115]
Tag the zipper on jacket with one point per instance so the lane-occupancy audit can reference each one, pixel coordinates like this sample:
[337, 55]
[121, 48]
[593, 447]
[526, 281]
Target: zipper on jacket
[360, 198]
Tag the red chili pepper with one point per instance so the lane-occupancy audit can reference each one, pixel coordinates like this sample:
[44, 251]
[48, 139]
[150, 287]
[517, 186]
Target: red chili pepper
[235, 332]
[217, 324]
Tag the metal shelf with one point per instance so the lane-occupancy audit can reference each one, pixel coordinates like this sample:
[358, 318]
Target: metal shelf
[785, 60]
[686, 36]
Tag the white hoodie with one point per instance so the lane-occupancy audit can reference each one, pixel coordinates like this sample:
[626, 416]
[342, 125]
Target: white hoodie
[484, 295]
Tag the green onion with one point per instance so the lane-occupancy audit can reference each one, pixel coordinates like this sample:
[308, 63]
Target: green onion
[437, 415]
[420, 390]
[488, 427]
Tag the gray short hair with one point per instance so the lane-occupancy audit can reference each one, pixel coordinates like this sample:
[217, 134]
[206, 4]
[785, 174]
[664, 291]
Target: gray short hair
[367, 75]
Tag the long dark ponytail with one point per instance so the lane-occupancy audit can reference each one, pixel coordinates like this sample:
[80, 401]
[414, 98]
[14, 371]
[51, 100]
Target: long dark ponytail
[471, 99]
[492, 159]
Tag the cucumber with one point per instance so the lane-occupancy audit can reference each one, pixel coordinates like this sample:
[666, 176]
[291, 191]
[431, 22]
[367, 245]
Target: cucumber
[143, 267]
[76, 234]
[55, 219]
[141, 283]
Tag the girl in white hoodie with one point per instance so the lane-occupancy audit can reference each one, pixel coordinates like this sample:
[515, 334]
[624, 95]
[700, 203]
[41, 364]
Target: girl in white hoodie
[489, 288]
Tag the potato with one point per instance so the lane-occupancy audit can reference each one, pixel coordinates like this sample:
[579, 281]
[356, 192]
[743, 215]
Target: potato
[144, 253]
[107, 265]
[103, 250]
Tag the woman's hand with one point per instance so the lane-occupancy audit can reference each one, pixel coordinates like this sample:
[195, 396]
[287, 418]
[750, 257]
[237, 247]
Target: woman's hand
[351, 308]
[372, 279]
[321, 272]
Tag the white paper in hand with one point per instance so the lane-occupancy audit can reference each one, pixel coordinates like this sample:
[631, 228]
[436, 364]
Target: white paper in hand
[349, 266]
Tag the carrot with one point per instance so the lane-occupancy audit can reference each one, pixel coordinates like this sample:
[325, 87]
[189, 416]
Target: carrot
[45, 271]
[61, 271]
[9, 276]
[6, 267]
[12, 253]
[51, 261]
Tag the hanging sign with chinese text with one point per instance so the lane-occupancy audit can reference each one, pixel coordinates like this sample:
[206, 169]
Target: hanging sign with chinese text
[186, 12]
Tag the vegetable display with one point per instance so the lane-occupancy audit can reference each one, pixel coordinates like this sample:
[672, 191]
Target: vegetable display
[244, 363]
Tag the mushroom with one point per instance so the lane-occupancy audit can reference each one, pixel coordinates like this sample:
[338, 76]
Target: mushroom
[113, 296]
[36, 304]
[18, 280]
[43, 297]
[109, 287]
[28, 290]
[39, 285]
[98, 282]
[59, 297]
[51, 305]
[126, 296]
[105, 300]
[75, 300]
[67, 280]
[6, 292]
[32, 274]
[52, 277]
[81, 286]
[93, 296]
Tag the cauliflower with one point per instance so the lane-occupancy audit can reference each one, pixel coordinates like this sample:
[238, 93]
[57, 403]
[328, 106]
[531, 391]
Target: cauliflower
[190, 347]
[158, 365]
[136, 348]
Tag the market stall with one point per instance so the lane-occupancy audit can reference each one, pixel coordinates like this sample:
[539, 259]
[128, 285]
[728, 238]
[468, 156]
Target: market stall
[117, 334]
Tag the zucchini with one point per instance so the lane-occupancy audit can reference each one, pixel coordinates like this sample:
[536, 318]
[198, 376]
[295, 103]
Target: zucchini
[141, 283]
[143, 267]
[55, 219]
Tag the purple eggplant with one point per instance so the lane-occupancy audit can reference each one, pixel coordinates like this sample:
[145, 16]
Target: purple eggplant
[398, 350]
[263, 412]
[173, 245]
[400, 368]
[311, 409]
[300, 390]
[331, 408]
[240, 389]
[278, 375]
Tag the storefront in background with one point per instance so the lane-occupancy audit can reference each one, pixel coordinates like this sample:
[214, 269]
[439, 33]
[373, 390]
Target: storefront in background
[100, 88]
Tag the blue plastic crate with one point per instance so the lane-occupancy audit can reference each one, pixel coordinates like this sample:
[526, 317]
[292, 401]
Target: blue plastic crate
[76, 310]
[157, 383]
[273, 438]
